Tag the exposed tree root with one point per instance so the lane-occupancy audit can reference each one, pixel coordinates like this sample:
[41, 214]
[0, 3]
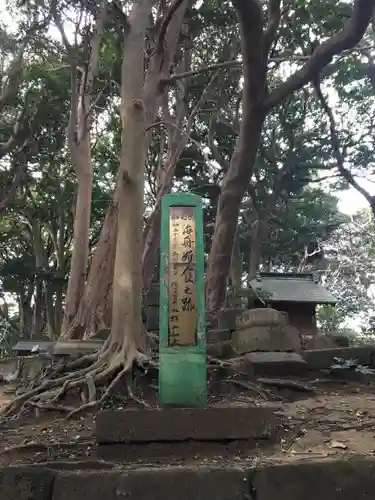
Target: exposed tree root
[250, 387]
[286, 384]
[93, 374]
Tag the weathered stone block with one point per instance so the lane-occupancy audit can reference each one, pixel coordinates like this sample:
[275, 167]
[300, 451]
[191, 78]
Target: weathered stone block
[227, 318]
[181, 424]
[220, 349]
[351, 479]
[322, 359]
[275, 363]
[218, 335]
[155, 484]
[261, 317]
[320, 342]
[266, 338]
[32, 366]
[25, 483]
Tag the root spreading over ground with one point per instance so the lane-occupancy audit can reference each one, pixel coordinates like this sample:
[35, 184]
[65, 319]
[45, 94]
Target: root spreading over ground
[92, 376]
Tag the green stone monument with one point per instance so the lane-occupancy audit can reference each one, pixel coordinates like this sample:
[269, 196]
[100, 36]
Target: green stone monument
[182, 346]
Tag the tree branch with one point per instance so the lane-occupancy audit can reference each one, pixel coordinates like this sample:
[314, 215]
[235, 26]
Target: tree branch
[13, 81]
[274, 16]
[165, 23]
[335, 142]
[218, 157]
[346, 39]
[92, 69]
[16, 183]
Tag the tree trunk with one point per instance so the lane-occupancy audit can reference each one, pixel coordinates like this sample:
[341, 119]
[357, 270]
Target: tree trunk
[257, 238]
[95, 306]
[38, 309]
[80, 151]
[42, 266]
[233, 189]
[237, 179]
[127, 330]
[236, 268]
[81, 238]
[26, 313]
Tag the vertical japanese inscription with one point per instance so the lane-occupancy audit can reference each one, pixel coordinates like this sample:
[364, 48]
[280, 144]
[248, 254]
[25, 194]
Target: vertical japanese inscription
[183, 314]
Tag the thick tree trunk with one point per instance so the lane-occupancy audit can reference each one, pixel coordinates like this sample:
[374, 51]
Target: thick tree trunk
[94, 311]
[80, 151]
[127, 330]
[81, 238]
[236, 268]
[237, 179]
[233, 189]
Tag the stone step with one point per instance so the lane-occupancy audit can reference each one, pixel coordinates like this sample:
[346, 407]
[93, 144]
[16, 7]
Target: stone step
[340, 479]
[184, 424]
[275, 363]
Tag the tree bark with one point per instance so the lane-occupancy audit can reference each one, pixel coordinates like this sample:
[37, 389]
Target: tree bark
[26, 312]
[42, 266]
[236, 268]
[232, 192]
[80, 151]
[38, 309]
[94, 312]
[127, 330]
[81, 234]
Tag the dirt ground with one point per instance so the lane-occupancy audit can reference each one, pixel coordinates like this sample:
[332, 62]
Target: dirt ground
[338, 419]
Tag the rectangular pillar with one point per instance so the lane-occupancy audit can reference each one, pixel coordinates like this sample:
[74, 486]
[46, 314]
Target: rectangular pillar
[182, 346]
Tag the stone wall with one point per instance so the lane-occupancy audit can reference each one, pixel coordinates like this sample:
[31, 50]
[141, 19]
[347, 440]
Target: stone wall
[349, 479]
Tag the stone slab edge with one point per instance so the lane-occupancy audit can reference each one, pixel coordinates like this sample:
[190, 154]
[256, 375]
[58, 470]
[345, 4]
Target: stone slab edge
[319, 359]
[183, 424]
[345, 479]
